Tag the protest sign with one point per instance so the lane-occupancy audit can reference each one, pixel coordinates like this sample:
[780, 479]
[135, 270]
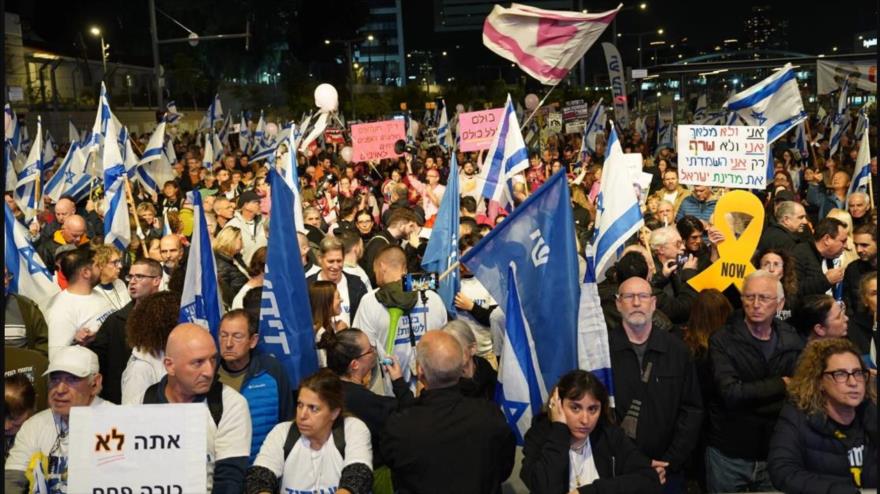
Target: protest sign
[554, 122]
[477, 129]
[723, 156]
[734, 253]
[575, 110]
[375, 140]
[575, 127]
[138, 449]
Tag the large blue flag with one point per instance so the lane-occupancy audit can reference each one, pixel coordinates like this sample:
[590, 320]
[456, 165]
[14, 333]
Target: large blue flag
[28, 275]
[200, 303]
[538, 237]
[285, 316]
[519, 393]
[442, 249]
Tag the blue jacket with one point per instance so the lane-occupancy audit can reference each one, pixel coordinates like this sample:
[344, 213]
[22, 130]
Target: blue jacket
[270, 399]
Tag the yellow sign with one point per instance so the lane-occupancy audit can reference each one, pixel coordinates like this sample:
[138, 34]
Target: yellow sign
[734, 254]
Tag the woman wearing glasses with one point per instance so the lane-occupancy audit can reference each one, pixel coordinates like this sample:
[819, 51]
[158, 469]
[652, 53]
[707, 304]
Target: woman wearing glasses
[108, 260]
[826, 436]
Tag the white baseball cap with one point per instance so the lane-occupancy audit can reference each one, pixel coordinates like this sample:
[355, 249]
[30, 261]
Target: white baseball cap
[76, 360]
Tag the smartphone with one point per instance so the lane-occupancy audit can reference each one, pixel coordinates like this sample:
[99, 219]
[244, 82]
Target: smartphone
[680, 260]
[417, 282]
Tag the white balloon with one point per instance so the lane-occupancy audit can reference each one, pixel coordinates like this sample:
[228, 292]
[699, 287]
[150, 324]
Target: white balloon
[326, 97]
[531, 101]
[271, 129]
[346, 153]
[459, 108]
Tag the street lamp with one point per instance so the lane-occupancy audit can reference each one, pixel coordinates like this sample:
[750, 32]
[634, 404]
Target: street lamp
[105, 48]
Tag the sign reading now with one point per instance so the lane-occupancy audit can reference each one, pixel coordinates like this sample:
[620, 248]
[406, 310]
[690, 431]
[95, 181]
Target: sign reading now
[375, 140]
[477, 128]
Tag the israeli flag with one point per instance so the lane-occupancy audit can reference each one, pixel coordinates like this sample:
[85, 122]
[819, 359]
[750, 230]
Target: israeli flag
[103, 115]
[259, 133]
[841, 119]
[214, 113]
[153, 175]
[507, 156]
[701, 109]
[664, 130]
[171, 114]
[117, 226]
[208, 154]
[200, 303]
[29, 276]
[774, 103]
[265, 152]
[13, 129]
[26, 190]
[862, 172]
[155, 145]
[862, 123]
[244, 135]
[291, 178]
[223, 134]
[595, 126]
[442, 249]
[218, 148]
[70, 178]
[72, 133]
[316, 131]
[48, 159]
[642, 127]
[444, 137]
[800, 142]
[520, 393]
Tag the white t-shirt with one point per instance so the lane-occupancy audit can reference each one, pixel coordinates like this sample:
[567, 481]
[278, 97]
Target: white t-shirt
[581, 467]
[372, 318]
[68, 312]
[474, 290]
[117, 295]
[313, 270]
[142, 371]
[360, 273]
[40, 435]
[314, 471]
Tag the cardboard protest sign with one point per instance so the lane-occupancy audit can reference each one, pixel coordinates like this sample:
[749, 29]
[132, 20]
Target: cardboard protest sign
[723, 156]
[375, 140]
[137, 449]
[477, 129]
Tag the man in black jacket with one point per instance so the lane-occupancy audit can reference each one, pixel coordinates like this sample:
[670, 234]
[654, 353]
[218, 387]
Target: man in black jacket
[818, 269]
[447, 442]
[351, 289]
[657, 395]
[402, 224]
[865, 240]
[144, 278]
[674, 295]
[753, 357]
[784, 230]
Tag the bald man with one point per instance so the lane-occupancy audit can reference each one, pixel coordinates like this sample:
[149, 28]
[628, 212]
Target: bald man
[416, 312]
[72, 232]
[467, 436]
[191, 366]
[64, 208]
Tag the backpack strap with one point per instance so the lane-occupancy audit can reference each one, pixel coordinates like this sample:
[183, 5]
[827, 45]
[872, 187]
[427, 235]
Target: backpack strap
[215, 399]
[293, 436]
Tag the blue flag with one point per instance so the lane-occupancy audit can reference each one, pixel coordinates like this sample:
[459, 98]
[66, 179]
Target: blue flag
[538, 237]
[285, 315]
[442, 249]
[200, 303]
[519, 393]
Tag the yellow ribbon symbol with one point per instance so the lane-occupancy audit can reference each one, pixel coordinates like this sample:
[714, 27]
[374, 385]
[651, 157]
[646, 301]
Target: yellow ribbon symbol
[734, 254]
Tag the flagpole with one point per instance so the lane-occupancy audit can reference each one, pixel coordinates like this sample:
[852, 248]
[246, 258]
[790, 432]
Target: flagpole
[808, 138]
[448, 271]
[131, 206]
[523, 126]
[870, 183]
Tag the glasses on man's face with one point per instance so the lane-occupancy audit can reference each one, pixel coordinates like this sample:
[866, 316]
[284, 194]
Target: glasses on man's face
[629, 297]
[761, 299]
[139, 277]
[841, 376]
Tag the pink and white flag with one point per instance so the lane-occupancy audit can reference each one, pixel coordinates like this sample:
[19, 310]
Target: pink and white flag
[544, 43]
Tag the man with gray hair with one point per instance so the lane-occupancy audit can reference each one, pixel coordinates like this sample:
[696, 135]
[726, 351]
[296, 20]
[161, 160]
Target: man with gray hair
[783, 231]
[859, 206]
[752, 358]
[447, 442]
[674, 295]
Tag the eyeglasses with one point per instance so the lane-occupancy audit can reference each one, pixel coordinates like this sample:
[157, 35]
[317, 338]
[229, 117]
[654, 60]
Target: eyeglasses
[139, 277]
[841, 376]
[762, 299]
[629, 297]
[117, 263]
[370, 350]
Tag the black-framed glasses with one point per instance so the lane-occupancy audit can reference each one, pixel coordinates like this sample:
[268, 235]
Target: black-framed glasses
[370, 350]
[629, 297]
[140, 277]
[841, 376]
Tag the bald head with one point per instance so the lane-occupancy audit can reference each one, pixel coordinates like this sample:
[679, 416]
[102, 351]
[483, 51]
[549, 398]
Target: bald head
[64, 208]
[191, 362]
[440, 360]
[184, 336]
[170, 250]
[73, 229]
[389, 265]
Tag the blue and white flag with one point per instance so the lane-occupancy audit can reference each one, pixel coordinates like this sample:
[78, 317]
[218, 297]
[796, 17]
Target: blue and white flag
[72, 133]
[291, 178]
[317, 130]
[13, 129]
[862, 172]
[265, 152]
[700, 112]
[664, 130]
[117, 225]
[200, 303]
[155, 145]
[642, 127]
[862, 123]
[70, 178]
[218, 148]
[538, 237]
[259, 133]
[841, 119]
[444, 136]
[618, 215]
[48, 159]
[153, 175]
[595, 126]
[244, 135]
[507, 156]
[214, 113]
[208, 153]
[286, 330]
[103, 115]
[172, 116]
[442, 249]
[594, 352]
[801, 142]
[519, 393]
[30, 277]
[26, 190]
[774, 103]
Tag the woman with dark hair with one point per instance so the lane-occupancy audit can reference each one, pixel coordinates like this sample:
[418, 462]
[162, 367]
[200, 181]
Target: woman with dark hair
[781, 264]
[256, 270]
[20, 404]
[303, 455]
[574, 447]
[692, 230]
[363, 220]
[146, 332]
[326, 306]
[862, 327]
[826, 437]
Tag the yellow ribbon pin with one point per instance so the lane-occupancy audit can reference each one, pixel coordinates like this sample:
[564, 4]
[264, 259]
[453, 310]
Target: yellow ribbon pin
[734, 254]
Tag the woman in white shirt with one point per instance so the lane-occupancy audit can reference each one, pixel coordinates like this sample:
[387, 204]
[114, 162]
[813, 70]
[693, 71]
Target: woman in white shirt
[322, 450]
[108, 259]
[146, 332]
[574, 447]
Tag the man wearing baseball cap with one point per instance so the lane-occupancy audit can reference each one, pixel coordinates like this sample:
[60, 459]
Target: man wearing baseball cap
[74, 381]
[248, 220]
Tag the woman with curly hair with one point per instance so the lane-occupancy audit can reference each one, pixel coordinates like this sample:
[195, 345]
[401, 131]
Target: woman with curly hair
[781, 264]
[108, 260]
[146, 332]
[826, 436]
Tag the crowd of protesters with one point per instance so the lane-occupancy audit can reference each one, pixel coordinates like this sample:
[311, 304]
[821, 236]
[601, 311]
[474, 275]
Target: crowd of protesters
[770, 388]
